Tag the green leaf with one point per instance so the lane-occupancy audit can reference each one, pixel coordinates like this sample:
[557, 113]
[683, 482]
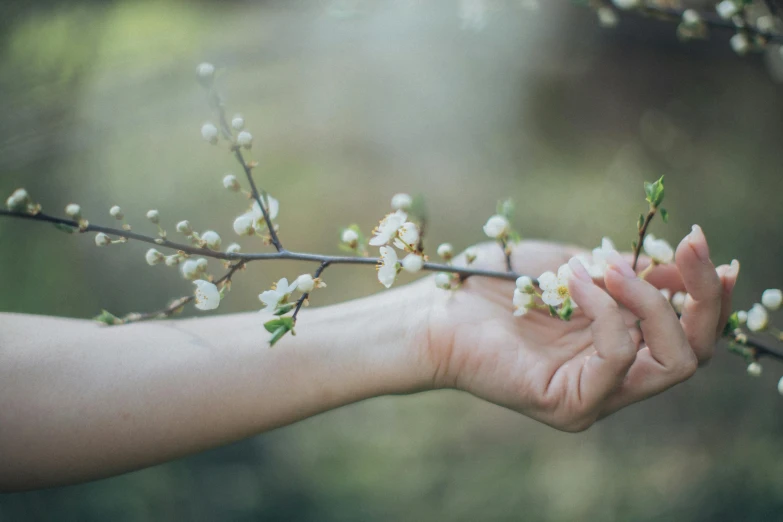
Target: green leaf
[62, 227]
[284, 309]
[654, 192]
[552, 311]
[274, 324]
[506, 208]
[277, 335]
[732, 324]
[566, 311]
[107, 318]
[634, 245]
[640, 224]
[665, 215]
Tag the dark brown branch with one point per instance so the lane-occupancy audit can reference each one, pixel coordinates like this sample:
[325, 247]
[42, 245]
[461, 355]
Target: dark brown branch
[637, 249]
[300, 302]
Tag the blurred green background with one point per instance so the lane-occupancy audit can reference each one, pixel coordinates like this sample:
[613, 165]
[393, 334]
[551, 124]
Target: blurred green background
[349, 102]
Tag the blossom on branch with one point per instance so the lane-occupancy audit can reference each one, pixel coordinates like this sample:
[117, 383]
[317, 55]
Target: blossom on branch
[659, 250]
[207, 295]
[388, 227]
[387, 270]
[278, 295]
[555, 287]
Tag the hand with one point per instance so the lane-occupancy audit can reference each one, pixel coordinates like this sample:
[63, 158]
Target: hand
[569, 374]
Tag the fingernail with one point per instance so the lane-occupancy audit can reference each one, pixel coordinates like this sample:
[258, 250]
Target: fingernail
[734, 268]
[619, 264]
[579, 270]
[698, 243]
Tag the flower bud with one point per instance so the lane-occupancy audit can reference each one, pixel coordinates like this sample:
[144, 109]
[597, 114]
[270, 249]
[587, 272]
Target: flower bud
[154, 216]
[212, 239]
[190, 269]
[772, 298]
[173, 260]
[525, 284]
[238, 122]
[245, 139]
[205, 71]
[231, 183]
[627, 4]
[202, 264]
[727, 8]
[209, 132]
[233, 248]
[754, 369]
[497, 227]
[742, 316]
[691, 17]
[443, 280]
[184, 227]
[305, 283]
[73, 211]
[678, 301]
[350, 237]
[471, 253]
[102, 239]
[412, 263]
[18, 200]
[658, 249]
[758, 318]
[740, 43]
[116, 212]
[154, 257]
[243, 225]
[607, 17]
[401, 202]
[446, 251]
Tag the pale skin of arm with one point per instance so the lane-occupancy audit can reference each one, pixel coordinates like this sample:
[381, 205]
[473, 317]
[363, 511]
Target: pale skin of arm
[79, 401]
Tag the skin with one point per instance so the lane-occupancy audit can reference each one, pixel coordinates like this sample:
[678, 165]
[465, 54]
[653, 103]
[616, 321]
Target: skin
[79, 401]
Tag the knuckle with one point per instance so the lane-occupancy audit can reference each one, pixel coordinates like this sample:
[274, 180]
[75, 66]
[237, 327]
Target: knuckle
[578, 424]
[686, 366]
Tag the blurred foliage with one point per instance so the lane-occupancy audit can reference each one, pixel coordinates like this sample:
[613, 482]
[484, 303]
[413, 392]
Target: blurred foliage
[350, 102]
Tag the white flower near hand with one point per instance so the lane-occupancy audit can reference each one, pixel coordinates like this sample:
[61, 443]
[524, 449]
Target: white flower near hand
[758, 318]
[522, 302]
[742, 316]
[772, 298]
[207, 295]
[443, 280]
[279, 294]
[412, 263]
[658, 249]
[244, 225]
[154, 257]
[497, 227]
[446, 251]
[387, 270]
[597, 268]
[388, 227]
[678, 301]
[305, 283]
[407, 236]
[401, 202]
[555, 287]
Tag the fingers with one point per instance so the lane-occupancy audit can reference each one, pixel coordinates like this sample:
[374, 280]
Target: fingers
[702, 310]
[660, 325]
[728, 276]
[604, 370]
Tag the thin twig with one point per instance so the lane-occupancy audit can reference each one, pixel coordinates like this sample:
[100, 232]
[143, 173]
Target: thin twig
[637, 249]
[304, 297]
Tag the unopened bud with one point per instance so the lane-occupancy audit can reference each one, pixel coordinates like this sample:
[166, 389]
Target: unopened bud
[233, 248]
[173, 260]
[102, 239]
[525, 284]
[754, 369]
[212, 239]
[231, 183]
[401, 202]
[190, 270]
[184, 227]
[154, 216]
[202, 264]
[443, 280]
[245, 139]
[205, 71]
[350, 237]
[471, 254]
[18, 200]
[116, 212]
[238, 122]
[446, 251]
[412, 263]
[244, 225]
[73, 211]
[209, 132]
[154, 257]
[305, 283]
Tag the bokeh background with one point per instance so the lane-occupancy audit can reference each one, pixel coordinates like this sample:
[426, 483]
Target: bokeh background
[350, 102]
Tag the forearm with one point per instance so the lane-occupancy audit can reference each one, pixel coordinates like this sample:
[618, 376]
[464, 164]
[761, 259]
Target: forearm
[79, 401]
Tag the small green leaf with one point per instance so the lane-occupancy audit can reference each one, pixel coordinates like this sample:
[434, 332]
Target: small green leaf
[552, 311]
[665, 215]
[277, 335]
[640, 224]
[732, 324]
[654, 192]
[284, 309]
[273, 325]
[68, 229]
[107, 318]
[566, 311]
[634, 245]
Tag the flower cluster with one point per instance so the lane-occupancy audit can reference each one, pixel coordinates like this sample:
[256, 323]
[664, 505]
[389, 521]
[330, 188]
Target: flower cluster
[395, 230]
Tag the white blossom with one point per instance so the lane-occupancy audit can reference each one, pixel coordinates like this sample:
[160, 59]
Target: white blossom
[412, 263]
[758, 318]
[305, 283]
[691, 17]
[279, 294]
[471, 253]
[443, 280]
[233, 248]
[212, 239]
[407, 236]
[238, 122]
[154, 257]
[522, 302]
[207, 295]
[678, 301]
[772, 298]
[780, 386]
[202, 264]
[740, 43]
[173, 260]
[401, 202]
[116, 212]
[209, 132]
[555, 287]
[245, 139]
[102, 239]
[446, 251]
[754, 369]
[525, 284]
[607, 17]
[497, 227]
[765, 23]
[272, 208]
[727, 8]
[231, 183]
[205, 71]
[244, 225]
[658, 249]
[190, 269]
[388, 227]
[387, 270]
[350, 237]
[184, 227]
[627, 4]
[73, 210]
[742, 316]
[154, 216]
[17, 200]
